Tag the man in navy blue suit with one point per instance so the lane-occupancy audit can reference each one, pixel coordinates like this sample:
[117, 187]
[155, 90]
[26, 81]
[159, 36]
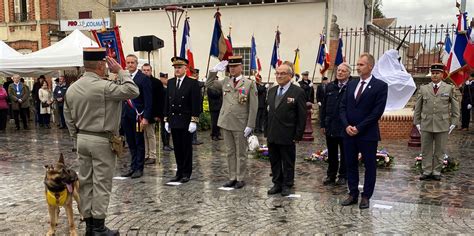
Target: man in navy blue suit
[361, 108]
[136, 114]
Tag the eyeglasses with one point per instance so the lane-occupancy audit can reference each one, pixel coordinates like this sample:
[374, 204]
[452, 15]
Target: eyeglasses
[280, 74]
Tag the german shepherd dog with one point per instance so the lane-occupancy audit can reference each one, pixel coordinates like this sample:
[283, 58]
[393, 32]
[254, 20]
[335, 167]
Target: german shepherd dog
[61, 186]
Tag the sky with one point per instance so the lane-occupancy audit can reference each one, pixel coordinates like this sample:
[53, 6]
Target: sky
[421, 12]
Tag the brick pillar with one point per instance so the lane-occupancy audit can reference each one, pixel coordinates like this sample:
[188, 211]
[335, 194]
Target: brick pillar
[2, 11]
[11, 10]
[45, 39]
[48, 10]
[31, 10]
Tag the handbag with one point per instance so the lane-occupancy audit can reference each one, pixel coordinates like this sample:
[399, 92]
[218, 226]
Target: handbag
[44, 104]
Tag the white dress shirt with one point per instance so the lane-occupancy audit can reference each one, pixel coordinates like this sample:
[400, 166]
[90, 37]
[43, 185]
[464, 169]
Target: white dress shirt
[367, 81]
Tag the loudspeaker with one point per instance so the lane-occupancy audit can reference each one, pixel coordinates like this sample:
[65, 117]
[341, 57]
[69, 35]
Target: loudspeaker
[147, 43]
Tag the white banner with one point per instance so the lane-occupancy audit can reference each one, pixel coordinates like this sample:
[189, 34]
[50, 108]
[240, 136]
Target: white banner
[84, 24]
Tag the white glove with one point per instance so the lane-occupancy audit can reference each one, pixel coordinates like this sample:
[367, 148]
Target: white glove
[267, 85]
[469, 106]
[319, 103]
[418, 127]
[192, 127]
[451, 128]
[167, 127]
[220, 66]
[247, 131]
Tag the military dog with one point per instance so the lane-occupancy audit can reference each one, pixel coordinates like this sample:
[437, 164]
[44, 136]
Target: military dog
[61, 186]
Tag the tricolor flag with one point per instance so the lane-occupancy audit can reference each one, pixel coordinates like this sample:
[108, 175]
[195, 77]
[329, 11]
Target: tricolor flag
[469, 51]
[323, 58]
[296, 62]
[276, 61]
[446, 50]
[186, 49]
[339, 57]
[254, 60]
[220, 46]
[456, 64]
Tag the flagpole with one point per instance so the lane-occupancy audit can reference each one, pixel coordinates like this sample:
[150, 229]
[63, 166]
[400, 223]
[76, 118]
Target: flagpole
[317, 58]
[208, 61]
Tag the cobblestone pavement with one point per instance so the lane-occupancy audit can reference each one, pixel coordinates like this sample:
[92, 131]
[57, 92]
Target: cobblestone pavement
[146, 206]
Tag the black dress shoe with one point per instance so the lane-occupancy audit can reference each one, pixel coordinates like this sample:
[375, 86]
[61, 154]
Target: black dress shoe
[239, 184]
[220, 138]
[364, 203]
[329, 181]
[341, 182]
[184, 180]
[167, 148]
[436, 177]
[285, 192]
[137, 174]
[230, 183]
[176, 179]
[274, 190]
[150, 161]
[197, 142]
[424, 177]
[128, 174]
[349, 201]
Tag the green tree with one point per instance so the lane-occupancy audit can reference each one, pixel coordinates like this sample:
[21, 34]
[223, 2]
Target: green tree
[378, 9]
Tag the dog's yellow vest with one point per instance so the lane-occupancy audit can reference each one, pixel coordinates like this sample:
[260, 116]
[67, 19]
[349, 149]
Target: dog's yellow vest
[53, 201]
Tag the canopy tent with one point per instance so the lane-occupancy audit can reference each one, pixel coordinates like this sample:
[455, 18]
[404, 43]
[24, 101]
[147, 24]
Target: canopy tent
[6, 51]
[63, 55]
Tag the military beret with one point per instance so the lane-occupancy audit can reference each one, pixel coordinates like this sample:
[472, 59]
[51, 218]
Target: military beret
[163, 75]
[235, 60]
[93, 54]
[305, 73]
[437, 67]
[179, 61]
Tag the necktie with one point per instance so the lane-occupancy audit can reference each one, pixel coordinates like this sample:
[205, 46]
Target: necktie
[235, 82]
[359, 92]
[340, 85]
[435, 89]
[179, 83]
[280, 92]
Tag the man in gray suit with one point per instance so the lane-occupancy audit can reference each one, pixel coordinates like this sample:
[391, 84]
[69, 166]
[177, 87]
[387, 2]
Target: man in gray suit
[237, 116]
[436, 114]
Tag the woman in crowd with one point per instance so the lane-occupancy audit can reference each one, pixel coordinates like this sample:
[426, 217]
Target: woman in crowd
[3, 108]
[46, 100]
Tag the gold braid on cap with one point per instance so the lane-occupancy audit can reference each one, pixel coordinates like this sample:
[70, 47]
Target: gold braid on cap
[194, 119]
[165, 119]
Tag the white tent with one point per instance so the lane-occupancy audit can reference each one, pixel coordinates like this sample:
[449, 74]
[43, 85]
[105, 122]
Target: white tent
[65, 54]
[6, 51]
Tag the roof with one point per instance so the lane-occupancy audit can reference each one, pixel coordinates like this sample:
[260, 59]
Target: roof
[413, 49]
[127, 5]
[425, 60]
[385, 22]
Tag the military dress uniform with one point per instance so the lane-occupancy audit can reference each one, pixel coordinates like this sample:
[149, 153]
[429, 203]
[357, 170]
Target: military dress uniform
[238, 111]
[92, 110]
[181, 108]
[436, 109]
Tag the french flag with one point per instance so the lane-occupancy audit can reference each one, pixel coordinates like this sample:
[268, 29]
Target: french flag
[446, 50]
[469, 52]
[456, 64]
[254, 60]
[276, 61]
[186, 49]
[220, 46]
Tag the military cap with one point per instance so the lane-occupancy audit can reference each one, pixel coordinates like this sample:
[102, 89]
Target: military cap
[163, 75]
[235, 60]
[196, 70]
[93, 54]
[437, 67]
[305, 73]
[179, 61]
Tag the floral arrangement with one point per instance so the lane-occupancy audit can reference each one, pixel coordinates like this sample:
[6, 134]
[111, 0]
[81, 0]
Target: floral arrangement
[320, 155]
[262, 152]
[384, 159]
[449, 164]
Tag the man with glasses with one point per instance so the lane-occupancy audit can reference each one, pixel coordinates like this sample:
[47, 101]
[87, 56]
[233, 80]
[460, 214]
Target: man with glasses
[237, 116]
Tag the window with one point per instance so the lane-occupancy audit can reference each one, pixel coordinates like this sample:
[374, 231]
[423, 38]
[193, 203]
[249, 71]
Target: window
[85, 15]
[21, 10]
[245, 53]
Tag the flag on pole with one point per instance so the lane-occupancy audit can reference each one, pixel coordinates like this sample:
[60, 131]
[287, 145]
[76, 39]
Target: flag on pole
[276, 61]
[254, 60]
[220, 46]
[339, 57]
[296, 62]
[323, 59]
[186, 49]
[446, 50]
[456, 64]
[469, 51]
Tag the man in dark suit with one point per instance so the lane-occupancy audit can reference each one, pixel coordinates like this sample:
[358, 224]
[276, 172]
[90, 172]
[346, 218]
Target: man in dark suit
[361, 108]
[467, 100]
[214, 96]
[201, 97]
[165, 136]
[157, 114]
[136, 115]
[307, 86]
[321, 90]
[262, 106]
[285, 127]
[181, 117]
[331, 126]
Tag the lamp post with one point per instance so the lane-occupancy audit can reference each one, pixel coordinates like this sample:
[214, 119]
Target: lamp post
[173, 12]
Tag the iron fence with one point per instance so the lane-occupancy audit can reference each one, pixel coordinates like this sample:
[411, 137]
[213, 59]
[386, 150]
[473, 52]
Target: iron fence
[423, 45]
